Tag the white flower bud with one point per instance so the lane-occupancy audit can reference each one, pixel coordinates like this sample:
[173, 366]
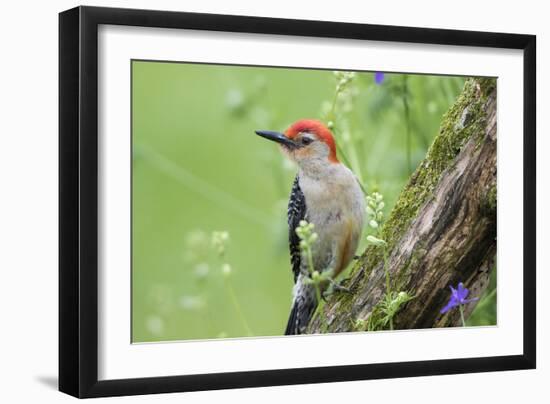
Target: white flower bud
[375, 241]
[226, 269]
[201, 270]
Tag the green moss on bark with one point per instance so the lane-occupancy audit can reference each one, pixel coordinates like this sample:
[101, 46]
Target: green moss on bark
[465, 119]
[487, 85]
[489, 203]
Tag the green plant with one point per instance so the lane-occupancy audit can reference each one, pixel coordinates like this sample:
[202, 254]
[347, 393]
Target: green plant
[391, 301]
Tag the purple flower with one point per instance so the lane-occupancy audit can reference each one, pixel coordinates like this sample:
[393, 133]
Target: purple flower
[458, 297]
[378, 77]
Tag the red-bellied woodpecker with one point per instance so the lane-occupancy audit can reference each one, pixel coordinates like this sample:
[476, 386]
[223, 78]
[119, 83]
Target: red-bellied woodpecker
[327, 194]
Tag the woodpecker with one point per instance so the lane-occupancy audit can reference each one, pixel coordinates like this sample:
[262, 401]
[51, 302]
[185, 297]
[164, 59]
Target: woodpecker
[326, 193]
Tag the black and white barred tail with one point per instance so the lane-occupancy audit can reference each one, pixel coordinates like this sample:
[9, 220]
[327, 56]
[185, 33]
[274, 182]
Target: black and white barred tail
[303, 307]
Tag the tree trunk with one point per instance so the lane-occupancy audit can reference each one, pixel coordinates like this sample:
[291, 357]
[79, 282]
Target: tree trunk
[442, 230]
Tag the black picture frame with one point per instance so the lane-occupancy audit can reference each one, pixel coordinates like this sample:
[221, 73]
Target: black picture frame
[78, 200]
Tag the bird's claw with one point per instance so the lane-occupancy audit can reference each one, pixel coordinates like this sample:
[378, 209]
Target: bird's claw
[338, 287]
[335, 288]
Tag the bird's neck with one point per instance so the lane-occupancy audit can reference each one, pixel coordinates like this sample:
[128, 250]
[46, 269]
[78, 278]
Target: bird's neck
[318, 168]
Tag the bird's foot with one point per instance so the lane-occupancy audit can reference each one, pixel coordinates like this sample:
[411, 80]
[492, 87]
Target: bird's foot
[338, 287]
[335, 288]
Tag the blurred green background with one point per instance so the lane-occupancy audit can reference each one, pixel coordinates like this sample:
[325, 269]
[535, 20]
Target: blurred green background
[200, 172]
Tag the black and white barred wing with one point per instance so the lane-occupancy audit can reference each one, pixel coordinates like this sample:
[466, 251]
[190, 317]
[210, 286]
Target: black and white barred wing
[296, 212]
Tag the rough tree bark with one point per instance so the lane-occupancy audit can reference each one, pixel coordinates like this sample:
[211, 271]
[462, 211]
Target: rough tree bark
[442, 230]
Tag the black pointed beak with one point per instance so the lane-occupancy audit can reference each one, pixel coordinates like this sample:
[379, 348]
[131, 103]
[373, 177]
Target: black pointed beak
[276, 137]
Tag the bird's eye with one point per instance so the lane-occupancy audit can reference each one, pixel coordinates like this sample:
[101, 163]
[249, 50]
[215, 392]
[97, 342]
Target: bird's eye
[306, 140]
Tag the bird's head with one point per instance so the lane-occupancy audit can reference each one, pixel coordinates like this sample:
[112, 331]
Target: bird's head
[307, 142]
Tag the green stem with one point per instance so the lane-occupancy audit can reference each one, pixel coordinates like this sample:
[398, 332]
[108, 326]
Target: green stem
[356, 166]
[407, 122]
[237, 306]
[491, 294]
[311, 270]
[388, 286]
[461, 308]
[319, 301]
[206, 308]
[386, 272]
[485, 301]
[333, 107]
[310, 261]
[342, 153]
[353, 163]
[209, 321]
